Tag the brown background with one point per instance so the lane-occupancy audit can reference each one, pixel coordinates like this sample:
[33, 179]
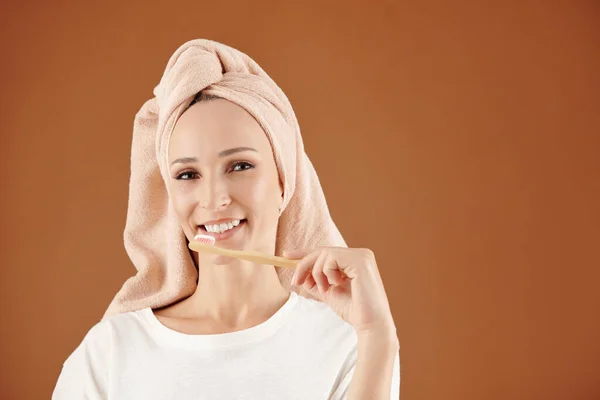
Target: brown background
[459, 141]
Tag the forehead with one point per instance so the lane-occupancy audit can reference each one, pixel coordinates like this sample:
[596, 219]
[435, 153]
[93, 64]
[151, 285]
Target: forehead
[215, 125]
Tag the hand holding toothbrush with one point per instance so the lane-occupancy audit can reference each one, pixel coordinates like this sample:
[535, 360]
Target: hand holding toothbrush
[348, 280]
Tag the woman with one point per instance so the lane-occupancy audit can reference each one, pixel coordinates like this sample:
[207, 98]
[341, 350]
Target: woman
[218, 152]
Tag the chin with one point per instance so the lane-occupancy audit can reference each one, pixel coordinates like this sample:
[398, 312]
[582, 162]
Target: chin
[215, 259]
[221, 260]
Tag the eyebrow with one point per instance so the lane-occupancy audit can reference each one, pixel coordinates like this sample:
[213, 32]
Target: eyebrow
[224, 153]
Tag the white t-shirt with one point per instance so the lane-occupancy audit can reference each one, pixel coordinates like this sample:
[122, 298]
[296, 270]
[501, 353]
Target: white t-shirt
[304, 351]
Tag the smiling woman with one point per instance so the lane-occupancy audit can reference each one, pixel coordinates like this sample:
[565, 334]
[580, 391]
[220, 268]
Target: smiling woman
[232, 176]
[205, 326]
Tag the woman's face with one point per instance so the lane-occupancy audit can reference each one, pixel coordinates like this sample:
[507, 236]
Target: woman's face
[223, 178]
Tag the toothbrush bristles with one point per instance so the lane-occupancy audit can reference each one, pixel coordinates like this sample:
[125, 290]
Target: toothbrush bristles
[205, 239]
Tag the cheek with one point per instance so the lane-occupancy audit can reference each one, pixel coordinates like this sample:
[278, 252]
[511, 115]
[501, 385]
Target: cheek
[182, 200]
[258, 194]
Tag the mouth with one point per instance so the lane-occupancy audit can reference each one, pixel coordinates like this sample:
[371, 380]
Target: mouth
[222, 229]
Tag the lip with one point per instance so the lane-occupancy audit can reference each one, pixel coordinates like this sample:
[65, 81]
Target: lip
[221, 236]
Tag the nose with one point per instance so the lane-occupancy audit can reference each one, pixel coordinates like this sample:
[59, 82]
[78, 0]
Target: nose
[213, 194]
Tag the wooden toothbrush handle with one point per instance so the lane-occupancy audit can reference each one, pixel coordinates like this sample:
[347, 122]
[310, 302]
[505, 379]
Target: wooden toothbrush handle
[267, 259]
[251, 256]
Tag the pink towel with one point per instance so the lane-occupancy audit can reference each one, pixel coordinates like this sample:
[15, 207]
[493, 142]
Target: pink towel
[153, 238]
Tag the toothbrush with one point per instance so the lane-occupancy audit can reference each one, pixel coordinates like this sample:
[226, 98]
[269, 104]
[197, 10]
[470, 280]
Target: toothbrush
[206, 244]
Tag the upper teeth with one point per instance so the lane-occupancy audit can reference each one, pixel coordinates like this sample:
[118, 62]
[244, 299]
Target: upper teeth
[220, 228]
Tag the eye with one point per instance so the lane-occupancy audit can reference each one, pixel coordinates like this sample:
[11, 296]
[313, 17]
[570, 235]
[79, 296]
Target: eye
[241, 166]
[186, 176]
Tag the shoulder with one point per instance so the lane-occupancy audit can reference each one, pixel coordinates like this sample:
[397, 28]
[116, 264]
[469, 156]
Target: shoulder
[85, 372]
[115, 324]
[100, 338]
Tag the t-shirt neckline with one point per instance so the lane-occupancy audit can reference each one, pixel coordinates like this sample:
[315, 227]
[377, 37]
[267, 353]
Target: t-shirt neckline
[219, 340]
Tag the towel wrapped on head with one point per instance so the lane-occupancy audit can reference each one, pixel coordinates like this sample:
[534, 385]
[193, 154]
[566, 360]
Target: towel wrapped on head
[154, 240]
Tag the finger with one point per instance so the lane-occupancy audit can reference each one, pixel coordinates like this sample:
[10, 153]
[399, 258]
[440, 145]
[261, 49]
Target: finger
[317, 272]
[310, 285]
[303, 268]
[296, 254]
[332, 272]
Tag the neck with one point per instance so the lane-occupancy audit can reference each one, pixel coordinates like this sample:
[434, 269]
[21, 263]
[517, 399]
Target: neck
[234, 292]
